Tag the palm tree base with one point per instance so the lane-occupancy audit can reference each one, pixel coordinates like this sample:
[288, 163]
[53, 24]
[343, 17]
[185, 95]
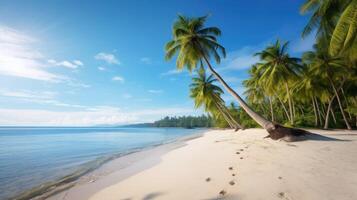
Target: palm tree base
[278, 131]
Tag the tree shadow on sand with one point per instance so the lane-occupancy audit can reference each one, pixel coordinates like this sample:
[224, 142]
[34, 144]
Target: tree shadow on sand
[149, 196]
[318, 137]
[152, 195]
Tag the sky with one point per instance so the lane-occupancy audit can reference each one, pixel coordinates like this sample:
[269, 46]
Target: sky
[84, 63]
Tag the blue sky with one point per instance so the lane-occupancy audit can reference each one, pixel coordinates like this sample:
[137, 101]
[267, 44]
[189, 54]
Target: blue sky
[80, 63]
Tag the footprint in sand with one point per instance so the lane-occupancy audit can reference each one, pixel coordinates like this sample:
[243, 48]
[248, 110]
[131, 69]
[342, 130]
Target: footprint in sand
[232, 182]
[222, 192]
[282, 195]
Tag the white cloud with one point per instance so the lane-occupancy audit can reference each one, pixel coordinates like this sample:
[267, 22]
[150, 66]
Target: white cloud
[241, 59]
[72, 65]
[155, 91]
[78, 62]
[74, 83]
[101, 68]
[100, 115]
[146, 60]
[38, 97]
[28, 94]
[171, 72]
[19, 58]
[118, 78]
[107, 57]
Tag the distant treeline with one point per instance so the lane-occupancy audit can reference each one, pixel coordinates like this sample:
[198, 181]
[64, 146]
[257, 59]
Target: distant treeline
[185, 122]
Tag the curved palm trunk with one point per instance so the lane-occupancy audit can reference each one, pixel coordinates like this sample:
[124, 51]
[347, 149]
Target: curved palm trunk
[333, 115]
[290, 103]
[327, 118]
[318, 110]
[225, 116]
[275, 131]
[271, 109]
[232, 118]
[315, 112]
[340, 105]
[284, 108]
[346, 100]
[256, 117]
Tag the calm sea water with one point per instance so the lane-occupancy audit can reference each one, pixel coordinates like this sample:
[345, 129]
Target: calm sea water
[33, 156]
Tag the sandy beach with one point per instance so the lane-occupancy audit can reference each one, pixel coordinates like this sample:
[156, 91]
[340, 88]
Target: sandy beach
[223, 164]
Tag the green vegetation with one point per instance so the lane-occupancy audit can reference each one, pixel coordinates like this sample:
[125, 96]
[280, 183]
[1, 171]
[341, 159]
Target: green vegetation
[281, 89]
[208, 95]
[185, 122]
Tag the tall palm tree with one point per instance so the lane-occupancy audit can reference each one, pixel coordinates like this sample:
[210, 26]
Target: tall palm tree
[208, 95]
[194, 43]
[278, 68]
[255, 92]
[330, 68]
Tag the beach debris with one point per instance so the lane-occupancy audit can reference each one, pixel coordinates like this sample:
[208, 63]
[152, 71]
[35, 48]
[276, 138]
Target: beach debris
[280, 177]
[241, 157]
[233, 174]
[241, 149]
[222, 192]
[232, 182]
[208, 179]
[237, 152]
[230, 168]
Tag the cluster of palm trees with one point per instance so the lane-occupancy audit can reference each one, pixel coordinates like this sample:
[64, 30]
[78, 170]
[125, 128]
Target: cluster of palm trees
[281, 89]
[208, 95]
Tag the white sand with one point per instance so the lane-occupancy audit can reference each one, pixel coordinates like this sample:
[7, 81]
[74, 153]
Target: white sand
[324, 167]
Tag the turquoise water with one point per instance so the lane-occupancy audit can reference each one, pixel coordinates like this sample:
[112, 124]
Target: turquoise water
[33, 156]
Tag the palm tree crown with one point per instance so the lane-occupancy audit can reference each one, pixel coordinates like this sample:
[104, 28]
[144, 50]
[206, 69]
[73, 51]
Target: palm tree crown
[191, 41]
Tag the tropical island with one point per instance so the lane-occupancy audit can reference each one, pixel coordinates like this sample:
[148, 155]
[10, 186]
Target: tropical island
[291, 98]
[290, 134]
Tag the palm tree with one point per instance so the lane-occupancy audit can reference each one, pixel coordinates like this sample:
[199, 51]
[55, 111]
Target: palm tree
[208, 95]
[345, 33]
[332, 69]
[335, 21]
[324, 14]
[255, 92]
[278, 68]
[194, 43]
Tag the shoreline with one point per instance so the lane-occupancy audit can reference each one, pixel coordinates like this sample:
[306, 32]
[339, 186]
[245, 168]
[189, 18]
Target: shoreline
[93, 169]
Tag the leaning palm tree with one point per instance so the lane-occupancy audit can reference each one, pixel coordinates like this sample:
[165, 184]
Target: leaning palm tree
[278, 68]
[208, 95]
[194, 43]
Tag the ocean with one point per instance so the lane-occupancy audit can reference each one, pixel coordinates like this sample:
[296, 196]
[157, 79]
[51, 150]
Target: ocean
[30, 157]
